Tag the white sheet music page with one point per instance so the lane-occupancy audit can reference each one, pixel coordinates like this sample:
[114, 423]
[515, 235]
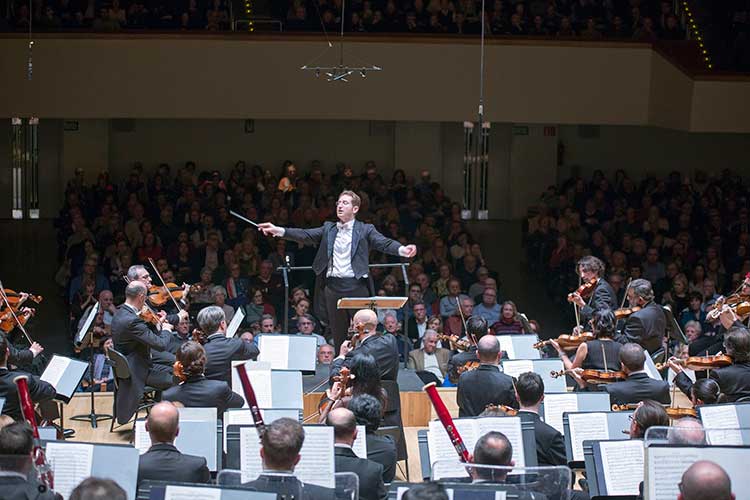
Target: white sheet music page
[191, 493]
[234, 325]
[722, 424]
[554, 407]
[511, 427]
[55, 370]
[317, 465]
[250, 462]
[671, 375]
[360, 444]
[261, 382]
[664, 469]
[274, 349]
[442, 450]
[87, 324]
[71, 464]
[141, 440]
[516, 367]
[622, 464]
[506, 344]
[585, 426]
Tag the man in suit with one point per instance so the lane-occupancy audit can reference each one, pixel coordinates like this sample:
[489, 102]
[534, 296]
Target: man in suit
[647, 326]
[279, 452]
[418, 322]
[603, 296]
[705, 479]
[134, 339]
[221, 351]
[381, 449]
[638, 386]
[430, 362]
[18, 479]
[341, 263]
[162, 461]
[486, 384]
[140, 273]
[39, 390]
[550, 445]
[476, 327]
[370, 473]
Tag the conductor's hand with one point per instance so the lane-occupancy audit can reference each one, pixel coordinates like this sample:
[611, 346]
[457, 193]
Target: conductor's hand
[408, 251]
[269, 229]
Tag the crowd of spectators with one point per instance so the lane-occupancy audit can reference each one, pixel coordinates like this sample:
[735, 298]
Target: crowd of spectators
[689, 236]
[180, 219]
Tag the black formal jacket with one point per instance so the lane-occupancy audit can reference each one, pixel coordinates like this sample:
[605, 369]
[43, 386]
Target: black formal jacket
[733, 380]
[482, 386]
[39, 390]
[287, 484]
[382, 347]
[645, 327]
[638, 387]
[167, 356]
[221, 351]
[13, 487]
[199, 392]
[164, 462]
[370, 473]
[458, 360]
[134, 339]
[382, 449]
[550, 444]
[603, 297]
[364, 237]
[20, 357]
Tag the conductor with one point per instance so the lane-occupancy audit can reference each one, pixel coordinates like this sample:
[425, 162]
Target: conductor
[342, 262]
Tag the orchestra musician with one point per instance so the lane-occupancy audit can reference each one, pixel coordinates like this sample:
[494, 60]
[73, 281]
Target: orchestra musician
[476, 327]
[39, 389]
[341, 263]
[486, 384]
[220, 350]
[638, 386]
[648, 325]
[603, 296]
[140, 273]
[550, 445]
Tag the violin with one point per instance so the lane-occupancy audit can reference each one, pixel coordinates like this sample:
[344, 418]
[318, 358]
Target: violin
[592, 376]
[739, 303]
[672, 412]
[568, 342]
[14, 298]
[326, 405]
[699, 363]
[158, 295]
[149, 316]
[468, 366]
[585, 290]
[456, 344]
[8, 322]
[626, 311]
[511, 412]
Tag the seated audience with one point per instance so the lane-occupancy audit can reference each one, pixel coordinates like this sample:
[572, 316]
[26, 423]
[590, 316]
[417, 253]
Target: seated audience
[509, 322]
[325, 354]
[430, 362]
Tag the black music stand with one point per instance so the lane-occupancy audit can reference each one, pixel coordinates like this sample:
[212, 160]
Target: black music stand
[85, 331]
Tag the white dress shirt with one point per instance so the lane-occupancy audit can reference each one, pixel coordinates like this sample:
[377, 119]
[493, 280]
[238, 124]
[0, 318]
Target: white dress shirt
[342, 252]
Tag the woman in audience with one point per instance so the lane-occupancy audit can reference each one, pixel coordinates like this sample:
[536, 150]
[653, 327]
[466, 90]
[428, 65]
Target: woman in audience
[194, 389]
[220, 297]
[258, 306]
[149, 249]
[648, 414]
[509, 322]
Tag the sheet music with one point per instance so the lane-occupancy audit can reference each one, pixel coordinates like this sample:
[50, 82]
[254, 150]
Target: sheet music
[191, 493]
[55, 370]
[516, 367]
[671, 375]
[557, 404]
[274, 349]
[71, 464]
[511, 427]
[360, 444]
[261, 382]
[668, 466]
[244, 417]
[250, 462]
[87, 324]
[442, 451]
[141, 439]
[585, 426]
[721, 417]
[317, 464]
[506, 344]
[622, 466]
[650, 367]
[234, 325]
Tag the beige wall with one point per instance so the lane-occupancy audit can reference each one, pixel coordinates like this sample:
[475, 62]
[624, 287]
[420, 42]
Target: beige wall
[180, 76]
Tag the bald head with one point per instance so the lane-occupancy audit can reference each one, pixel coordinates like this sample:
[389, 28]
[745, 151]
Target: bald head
[163, 423]
[368, 318]
[344, 425]
[687, 430]
[488, 349]
[705, 480]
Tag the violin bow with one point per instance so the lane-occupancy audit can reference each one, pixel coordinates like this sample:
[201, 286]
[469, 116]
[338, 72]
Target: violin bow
[151, 261]
[13, 313]
[625, 295]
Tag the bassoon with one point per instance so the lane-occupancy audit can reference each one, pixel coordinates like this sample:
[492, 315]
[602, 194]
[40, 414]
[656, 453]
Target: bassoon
[252, 401]
[447, 421]
[43, 469]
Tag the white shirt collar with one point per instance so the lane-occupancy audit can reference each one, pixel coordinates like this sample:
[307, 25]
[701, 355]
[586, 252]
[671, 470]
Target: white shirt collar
[345, 225]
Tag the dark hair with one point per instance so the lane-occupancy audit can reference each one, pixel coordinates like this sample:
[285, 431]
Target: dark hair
[591, 263]
[643, 289]
[695, 296]
[281, 443]
[430, 490]
[737, 343]
[708, 391]
[493, 448]
[604, 322]
[191, 360]
[367, 410]
[477, 326]
[530, 388]
[649, 414]
[94, 488]
[632, 357]
[16, 439]
[366, 377]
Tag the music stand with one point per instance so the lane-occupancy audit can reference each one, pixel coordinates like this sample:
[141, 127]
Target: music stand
[85, 331]
[377, 303]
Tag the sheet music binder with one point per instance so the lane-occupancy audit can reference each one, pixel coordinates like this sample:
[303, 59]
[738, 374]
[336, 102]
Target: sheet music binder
[234, 325]
[542, 367]
[87, 324]
[156, 490]
[616, 422]
[286, 387]
[599, 476]
[301, 352]
[743, 416]
[68, 381]
[519, 346]
[586, 401]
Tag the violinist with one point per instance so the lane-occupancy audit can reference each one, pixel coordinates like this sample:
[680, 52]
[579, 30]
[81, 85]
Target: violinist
[647, 414]
[550, 445]
[140, 273]
[733, 380]
[39, 389]
[486, 384]
[220, 350]
[638, 386]
[646, 326]
[476, 328]
[602, 296]
[602, 353]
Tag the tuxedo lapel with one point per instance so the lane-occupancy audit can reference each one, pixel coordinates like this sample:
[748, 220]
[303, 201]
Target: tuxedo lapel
[333, 231]
[356, 232]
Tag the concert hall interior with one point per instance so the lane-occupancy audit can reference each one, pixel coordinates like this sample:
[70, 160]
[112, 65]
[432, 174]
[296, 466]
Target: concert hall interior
[308, 249]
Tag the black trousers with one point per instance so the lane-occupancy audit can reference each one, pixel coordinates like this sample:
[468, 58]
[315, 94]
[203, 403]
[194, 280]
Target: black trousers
[339, 319]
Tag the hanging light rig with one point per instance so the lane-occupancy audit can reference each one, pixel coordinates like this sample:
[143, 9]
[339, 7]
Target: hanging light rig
[340, 72]
[477, 152]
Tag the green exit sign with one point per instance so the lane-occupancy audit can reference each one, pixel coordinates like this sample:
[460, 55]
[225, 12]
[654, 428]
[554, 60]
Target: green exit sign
[520, 130]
